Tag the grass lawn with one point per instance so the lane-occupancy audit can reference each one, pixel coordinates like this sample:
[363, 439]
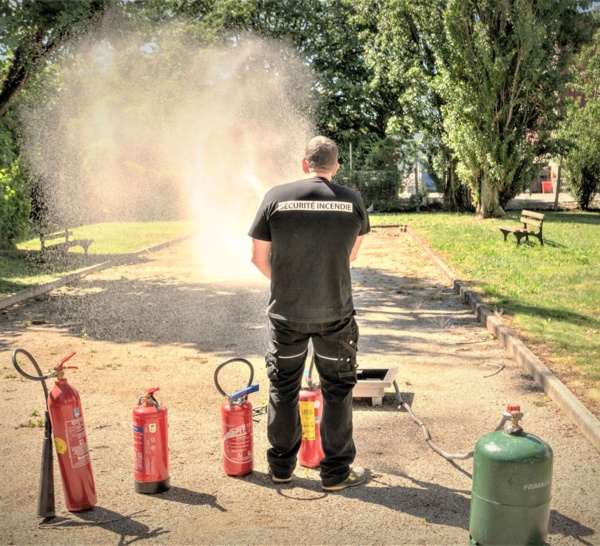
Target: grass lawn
[549, 294]
[22, 269]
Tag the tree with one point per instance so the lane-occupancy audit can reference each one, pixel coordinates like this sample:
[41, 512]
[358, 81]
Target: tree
[503, 82]
[482, 81]
[14, 190]
[582, 126]
[330, 37]
[30, 30]
[406, 49]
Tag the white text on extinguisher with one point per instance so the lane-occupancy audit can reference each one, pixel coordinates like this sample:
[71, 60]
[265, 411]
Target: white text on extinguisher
[78, 448]
[234, 432]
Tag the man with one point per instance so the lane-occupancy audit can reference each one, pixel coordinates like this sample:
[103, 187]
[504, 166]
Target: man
[304, 237]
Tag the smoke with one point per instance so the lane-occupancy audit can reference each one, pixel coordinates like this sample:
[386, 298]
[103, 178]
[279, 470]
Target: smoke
[160, 129]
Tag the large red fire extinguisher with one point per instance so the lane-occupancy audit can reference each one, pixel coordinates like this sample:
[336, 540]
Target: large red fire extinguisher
[311, 411]
[150, 445]
[70, 440]
[236, 424]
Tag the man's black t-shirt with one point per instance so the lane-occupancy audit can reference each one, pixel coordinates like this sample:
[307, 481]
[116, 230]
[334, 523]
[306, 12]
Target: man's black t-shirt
[312, 225]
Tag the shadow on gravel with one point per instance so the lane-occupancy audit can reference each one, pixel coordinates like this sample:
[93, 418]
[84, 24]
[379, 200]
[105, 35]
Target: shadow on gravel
[217, 317]
[213, 317]
[128, 529]
[428, 501]
[193, 498]
[568, 527]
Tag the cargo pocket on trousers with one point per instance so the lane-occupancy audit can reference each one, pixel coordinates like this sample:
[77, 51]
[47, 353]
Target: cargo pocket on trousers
[347, 361]
[272, 366]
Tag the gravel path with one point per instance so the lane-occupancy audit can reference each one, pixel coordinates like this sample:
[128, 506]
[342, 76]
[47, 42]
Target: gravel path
[161, 321]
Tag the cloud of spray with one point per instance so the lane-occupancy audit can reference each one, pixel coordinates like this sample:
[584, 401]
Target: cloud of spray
[166, 130]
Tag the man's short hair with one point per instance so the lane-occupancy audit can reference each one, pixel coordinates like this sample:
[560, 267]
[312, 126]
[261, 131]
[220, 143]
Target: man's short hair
[321, 154]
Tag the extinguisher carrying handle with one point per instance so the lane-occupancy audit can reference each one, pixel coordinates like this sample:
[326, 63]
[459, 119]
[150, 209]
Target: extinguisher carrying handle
[223, 364]
[149, 395]
[243, 392]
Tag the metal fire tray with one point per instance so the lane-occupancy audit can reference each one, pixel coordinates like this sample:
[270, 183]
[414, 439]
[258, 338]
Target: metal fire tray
[372, 383]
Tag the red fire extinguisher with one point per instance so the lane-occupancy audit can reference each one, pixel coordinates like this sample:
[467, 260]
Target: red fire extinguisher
[311, 412]
[236, 424]
[66, 422]
[150, 445]
[70, 441]
[64, 418]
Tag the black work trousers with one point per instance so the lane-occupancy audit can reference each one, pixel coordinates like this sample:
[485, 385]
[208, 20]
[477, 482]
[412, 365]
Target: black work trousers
[335, 346]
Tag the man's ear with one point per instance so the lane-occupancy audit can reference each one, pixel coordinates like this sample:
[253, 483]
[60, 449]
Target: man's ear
[305, 168]
[335, 170]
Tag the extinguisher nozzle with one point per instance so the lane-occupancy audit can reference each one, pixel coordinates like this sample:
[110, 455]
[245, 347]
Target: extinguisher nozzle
[46, 506]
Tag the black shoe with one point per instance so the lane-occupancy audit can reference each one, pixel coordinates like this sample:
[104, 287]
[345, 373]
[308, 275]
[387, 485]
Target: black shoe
[357, 476]
[275, 479]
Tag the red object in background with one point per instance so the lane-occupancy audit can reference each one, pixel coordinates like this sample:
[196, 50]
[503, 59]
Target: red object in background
[546, 187]
[311, 411]
[151, 445]
[70, 441]
[236, 421]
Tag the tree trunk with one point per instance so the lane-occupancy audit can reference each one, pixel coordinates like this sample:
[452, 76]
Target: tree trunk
[457, 197]
[558, 176]
[489, 200]
[14, 83]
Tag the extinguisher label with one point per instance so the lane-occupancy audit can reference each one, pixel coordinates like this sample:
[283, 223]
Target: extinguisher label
[237, 444]
[78, 448]
[307, 418]
[138, 448]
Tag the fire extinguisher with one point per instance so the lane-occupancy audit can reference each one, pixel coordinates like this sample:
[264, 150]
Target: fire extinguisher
[236, 424]
[311, 412]
[150, 445]
[70, 441]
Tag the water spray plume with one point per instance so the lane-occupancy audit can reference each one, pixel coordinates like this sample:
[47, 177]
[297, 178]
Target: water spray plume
[140, 133]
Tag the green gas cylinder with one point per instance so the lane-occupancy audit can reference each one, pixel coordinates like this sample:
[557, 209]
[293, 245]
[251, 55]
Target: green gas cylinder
[512, 478]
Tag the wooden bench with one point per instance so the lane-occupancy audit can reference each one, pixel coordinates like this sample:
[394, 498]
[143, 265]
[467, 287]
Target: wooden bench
[63, 246]
[532, 225]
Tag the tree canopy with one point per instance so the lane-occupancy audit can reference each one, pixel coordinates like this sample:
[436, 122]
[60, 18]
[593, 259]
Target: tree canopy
[582, 126]
[484, 81]
[480, 82]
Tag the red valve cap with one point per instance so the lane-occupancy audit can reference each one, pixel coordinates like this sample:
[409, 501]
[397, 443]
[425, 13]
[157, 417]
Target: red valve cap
[514, 407]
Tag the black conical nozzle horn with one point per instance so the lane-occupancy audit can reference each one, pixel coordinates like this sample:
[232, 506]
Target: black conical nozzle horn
[46, 508]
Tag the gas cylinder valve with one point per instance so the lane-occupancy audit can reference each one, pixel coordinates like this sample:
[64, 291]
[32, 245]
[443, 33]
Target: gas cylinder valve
[514, 413]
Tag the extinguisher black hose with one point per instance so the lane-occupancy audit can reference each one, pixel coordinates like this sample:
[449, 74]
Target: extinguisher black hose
[223, 364]
[40, 377]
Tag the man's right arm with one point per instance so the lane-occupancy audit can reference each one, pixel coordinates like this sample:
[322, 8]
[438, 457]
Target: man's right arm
[356, 247]
[261, 256]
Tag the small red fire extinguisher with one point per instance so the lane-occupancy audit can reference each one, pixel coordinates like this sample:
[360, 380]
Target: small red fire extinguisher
[311, 411]
[236, 424]
[64, 418]
[150, 445]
